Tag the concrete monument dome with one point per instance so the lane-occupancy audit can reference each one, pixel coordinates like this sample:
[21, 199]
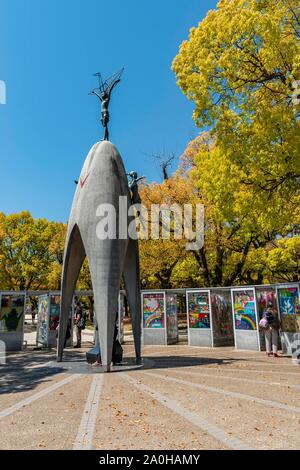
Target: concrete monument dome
[102, 190]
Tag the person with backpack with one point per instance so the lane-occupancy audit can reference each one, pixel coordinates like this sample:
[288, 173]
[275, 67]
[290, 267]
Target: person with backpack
[270, 324]
[79, 323]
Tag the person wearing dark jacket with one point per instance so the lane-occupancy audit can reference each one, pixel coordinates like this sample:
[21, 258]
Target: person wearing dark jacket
[78, 324]
[271, 330]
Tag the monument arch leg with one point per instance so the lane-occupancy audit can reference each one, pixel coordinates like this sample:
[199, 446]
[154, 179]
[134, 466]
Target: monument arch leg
[105, 259]
[74, 257]
[132, 285]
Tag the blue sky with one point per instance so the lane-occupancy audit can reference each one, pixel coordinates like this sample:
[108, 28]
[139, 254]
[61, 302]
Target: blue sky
[49, 50]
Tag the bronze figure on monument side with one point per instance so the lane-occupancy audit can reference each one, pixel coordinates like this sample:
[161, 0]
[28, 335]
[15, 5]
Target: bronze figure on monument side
[134, 187]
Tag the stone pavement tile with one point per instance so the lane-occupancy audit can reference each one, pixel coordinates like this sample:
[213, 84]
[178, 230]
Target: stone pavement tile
[281, 392]
[278, 376]
[229, 359]
[262, 427]
[49, 423]
[130, 419]
[229, 353]
[21, 391]
[26, 373]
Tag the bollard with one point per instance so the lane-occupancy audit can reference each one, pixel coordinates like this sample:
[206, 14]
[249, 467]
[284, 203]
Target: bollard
[2, 353]
[295, 348]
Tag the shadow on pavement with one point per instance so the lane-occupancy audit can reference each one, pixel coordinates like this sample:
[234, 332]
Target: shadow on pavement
[169, 362]
[25, 371]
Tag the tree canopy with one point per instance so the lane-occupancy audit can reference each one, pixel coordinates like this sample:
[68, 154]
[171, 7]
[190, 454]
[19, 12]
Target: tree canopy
[26, 258]
[241, 68]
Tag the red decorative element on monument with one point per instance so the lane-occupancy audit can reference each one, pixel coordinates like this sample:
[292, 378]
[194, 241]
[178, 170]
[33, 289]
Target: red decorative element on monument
[82, 182]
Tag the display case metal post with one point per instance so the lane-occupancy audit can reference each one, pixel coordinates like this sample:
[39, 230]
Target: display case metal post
[247, 339]
[290, 323]
[222, 319]
[154, 335]
[198, 336]
[121, 317]
[171, 318]
[52, 333]
[42, 326]
[45, 335]
[270, 294]
[14, 340]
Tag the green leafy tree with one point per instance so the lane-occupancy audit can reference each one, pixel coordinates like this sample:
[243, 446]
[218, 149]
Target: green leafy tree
[25, 258]
[241, 68]
[56, 250]
[284, 260]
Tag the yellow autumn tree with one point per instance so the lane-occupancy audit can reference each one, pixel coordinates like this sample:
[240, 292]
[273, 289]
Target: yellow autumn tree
[241, 68]
[56, 250]
[25, 258]
[160, 256]
[284, 260]
[241, 224]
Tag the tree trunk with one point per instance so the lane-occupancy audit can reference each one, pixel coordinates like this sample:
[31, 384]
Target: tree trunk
[219, 266]
[202, 261]
[238, 269]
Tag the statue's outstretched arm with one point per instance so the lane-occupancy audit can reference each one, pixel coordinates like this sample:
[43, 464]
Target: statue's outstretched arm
[94, 93]
[141, 178]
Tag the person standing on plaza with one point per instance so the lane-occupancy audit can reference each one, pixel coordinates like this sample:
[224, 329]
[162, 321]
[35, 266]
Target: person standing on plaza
[270, 324]
[79, 323]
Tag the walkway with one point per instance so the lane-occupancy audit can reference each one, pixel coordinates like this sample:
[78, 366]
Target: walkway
[184, 398]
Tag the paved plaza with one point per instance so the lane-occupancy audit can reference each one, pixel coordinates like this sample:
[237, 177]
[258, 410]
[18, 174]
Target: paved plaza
[183, 398]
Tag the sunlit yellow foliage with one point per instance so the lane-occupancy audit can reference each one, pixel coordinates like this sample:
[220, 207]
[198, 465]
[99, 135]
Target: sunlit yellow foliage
[240, 67]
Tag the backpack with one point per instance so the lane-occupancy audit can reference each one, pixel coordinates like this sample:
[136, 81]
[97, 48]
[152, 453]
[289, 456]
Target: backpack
[269, 317]
[81, 323]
